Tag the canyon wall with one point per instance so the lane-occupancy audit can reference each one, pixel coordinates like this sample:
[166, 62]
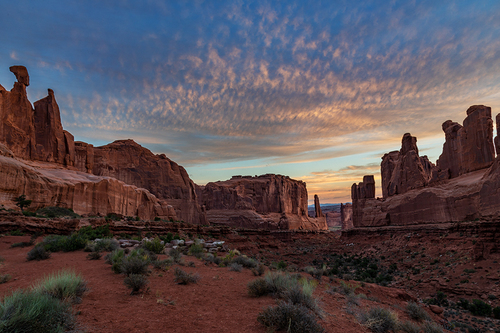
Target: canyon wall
[463, 185]
[267, 201]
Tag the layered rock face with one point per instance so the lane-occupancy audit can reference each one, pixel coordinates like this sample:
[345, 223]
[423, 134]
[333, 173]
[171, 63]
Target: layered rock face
[462, 186]
[267, 201]
[49, 185]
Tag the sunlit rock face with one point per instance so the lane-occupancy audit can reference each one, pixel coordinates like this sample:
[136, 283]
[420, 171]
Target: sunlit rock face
[464, 185]
[268, 202]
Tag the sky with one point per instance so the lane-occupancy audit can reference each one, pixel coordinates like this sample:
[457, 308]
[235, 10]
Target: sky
[316, 90]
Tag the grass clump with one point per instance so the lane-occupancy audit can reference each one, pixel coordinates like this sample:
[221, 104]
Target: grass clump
[417, 313]
[38, 253]
[181, 277]
[63, 285]
[154, 246]
[379, 320]
[136, 282]
[291, 317]
[4, 278]
[115, 259]
[28, 311]
[235, 267]
[409, 327]
[431, 327]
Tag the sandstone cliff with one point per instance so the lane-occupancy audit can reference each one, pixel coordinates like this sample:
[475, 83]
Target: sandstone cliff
[464, 185]
[267, 201]
[49, 185]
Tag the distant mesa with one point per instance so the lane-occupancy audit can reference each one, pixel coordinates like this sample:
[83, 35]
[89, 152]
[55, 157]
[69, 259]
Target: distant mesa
[463, 185]
[40, 159]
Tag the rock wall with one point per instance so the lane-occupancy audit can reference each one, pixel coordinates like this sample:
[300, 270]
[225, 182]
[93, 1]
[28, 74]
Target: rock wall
[267, 201]
[48, 185]
[462, 186]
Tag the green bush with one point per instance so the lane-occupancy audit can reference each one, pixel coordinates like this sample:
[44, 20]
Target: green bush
[34, 312]
[38, 253]
[409, 327]
[115, 259]
[298, 294]
[431, 327]
[63, 285]
[278, 283]
[52, 212]
[379, 320]
[293, 318]
[136, 282]
[480, 308]
[92, 233]
[154, 246]
[496, 312]
[181, 277]
[415, 312]
[16, 233]
[196, 250]
[135, 263]
[167, 238]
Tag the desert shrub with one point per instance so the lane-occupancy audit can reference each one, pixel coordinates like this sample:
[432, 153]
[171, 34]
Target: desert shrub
[4, 278]
[496, 312]
[25, 311]
[293, 318]
[345, 288]
[99, 245]
[92, 233]
[463, 303]
[94, 255]
[175, 254]
[196, 250]
[135, 264]
[181, 277]
[38, 253]
[162, 264]
[277, 283]
[417, 313]
[235, 267]
[115, 259]
[73, 242]
[52, 212]
[167, 238]
[245, 262]
[480, 308]
[440, 299]
[297, 294]
[16, 233]
[257, 287]
[379, 320]
[136, 282]
[408, 327]
[259, 270]
[63, 285]
[21, 244]
[154, 246]
[431, 327]
[314, 272]
[282, 265]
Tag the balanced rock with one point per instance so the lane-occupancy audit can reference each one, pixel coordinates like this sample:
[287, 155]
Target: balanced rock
[21, 74]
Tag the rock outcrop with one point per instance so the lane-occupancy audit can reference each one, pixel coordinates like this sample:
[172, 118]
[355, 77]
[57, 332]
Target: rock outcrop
[346, 216]
[497, 138]
[267, 202]
[53, 144]
[463, 186]
[404, 170]
[365, 189]
[317, 207]
[49, 185]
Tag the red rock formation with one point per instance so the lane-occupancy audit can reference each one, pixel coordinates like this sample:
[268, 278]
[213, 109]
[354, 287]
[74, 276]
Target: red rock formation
[346, 216]
[53, 144]
[317, 207]
[405, 170]
[133, 164]
[365, 189]
[469, 147]
[84, 156]
[49, 185]
[497, 138]
[267, 201]
[16, 116]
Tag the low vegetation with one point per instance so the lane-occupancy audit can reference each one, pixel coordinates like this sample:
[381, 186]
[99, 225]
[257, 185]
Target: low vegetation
[289, 317]
[136, 282]
[182, 277]
[415, 312]
[63, 285]
[379, 320]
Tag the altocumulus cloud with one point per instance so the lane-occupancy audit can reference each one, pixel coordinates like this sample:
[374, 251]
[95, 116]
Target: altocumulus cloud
[240, 80]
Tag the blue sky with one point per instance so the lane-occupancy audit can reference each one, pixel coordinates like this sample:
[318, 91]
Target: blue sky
[315, 90]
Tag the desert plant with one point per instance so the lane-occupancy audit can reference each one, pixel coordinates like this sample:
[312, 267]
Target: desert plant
[175, 254]
[16, 233]
[162, 264]
[115, 259]
[181, 277]
[245, 262]
[136, 282]
[277, 283]
[417, 313]
[4, 278]
[21, 202]
[297, 294]
[431, 327]
[94, 255]
[496, 312]
[27, 311]
[257, 287]
[259, 270]
[154, 246]
[379, 320]
[106, 244]
[52, 212]
[235, 267]
[73, 242]
[480, 308]
[38, 253]
[293, 318]
[196, 250]
[408, 327]
[63, 285]
[135, 264]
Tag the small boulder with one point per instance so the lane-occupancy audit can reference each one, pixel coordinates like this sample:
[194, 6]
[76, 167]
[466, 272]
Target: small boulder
[436, 309]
